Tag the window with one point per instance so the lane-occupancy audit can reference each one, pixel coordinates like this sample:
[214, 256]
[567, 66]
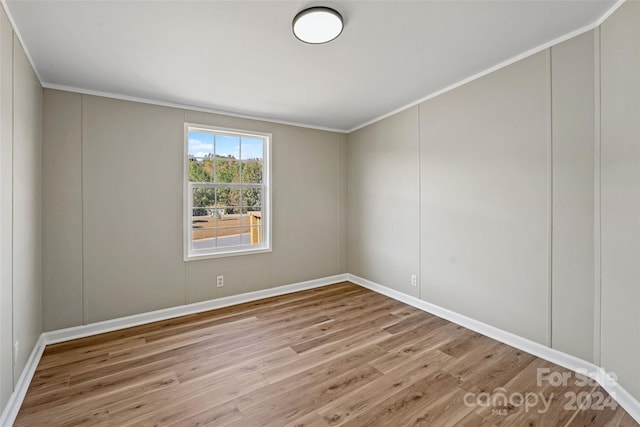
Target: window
[227, 194]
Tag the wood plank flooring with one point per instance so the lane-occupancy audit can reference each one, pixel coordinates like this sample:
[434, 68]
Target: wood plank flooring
[340, 355]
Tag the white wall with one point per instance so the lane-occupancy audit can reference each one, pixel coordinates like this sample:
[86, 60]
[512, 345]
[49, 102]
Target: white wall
[113, 207]
[528, 195]
[20, 209]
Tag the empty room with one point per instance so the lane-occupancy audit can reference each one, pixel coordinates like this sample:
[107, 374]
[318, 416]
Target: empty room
[341, 213]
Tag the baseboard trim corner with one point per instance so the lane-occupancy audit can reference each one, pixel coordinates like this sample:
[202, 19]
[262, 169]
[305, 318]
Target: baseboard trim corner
[619, 393]
[622, 396]
[10, 412]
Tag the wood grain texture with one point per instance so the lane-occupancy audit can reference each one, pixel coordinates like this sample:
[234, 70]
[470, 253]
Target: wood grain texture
[340, 355]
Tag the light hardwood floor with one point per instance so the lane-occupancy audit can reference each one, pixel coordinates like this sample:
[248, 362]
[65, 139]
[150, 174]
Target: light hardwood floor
[337, 355]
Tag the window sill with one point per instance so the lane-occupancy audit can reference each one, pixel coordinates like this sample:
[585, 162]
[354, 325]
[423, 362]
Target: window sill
[230, 253]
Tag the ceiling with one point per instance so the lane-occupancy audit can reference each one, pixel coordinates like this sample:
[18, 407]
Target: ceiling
[241, 57]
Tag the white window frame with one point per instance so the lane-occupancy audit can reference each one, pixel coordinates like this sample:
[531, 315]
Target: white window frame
[265, 246]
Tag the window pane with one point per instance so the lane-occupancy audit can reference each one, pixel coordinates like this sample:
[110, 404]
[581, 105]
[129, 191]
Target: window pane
[252, 159]
[201, 231]
[204, 214]
[200, 169]
[249, 214]
[227, 170]
[200, 151]
[235, 240]
[229, 220]
[252, 171]
[229, 231]
[232, 235]
[252, 197]
[227, 151]
[203, 198]
[200, 144]
[205, 243]
[252, 148]
[228, 198]
[245, 217]
[255, 229]
[255, 235]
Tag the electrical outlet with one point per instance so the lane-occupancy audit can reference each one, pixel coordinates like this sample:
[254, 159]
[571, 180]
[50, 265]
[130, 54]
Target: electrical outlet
[220, 281]
[414, 280]
[16, 349]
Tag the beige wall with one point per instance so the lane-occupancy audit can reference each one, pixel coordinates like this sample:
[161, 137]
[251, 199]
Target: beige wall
[383, 210]
[132, 207]
[113, 200]
[620, 195]
[27, 207]
[62, 209]
[21, 207]
[457, 190]
[484, 194]
[528, 195]
[6, 209]
[572, 302]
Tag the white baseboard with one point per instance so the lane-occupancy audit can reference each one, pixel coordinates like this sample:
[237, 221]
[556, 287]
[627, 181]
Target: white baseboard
[76, 332]
[622, 396]
[10, 412]
[15, 401]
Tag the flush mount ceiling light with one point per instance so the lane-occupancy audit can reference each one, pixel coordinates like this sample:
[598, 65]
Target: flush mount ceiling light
[317, 25]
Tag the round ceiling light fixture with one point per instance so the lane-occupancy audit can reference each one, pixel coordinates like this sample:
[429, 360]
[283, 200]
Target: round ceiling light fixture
[317, 25]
